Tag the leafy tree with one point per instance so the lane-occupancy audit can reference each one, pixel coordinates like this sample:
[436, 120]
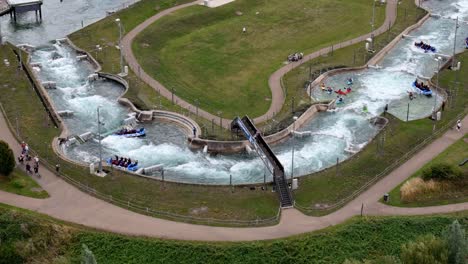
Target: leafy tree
[87, 256]
[7, 159]
[457, 243]
[425, 250]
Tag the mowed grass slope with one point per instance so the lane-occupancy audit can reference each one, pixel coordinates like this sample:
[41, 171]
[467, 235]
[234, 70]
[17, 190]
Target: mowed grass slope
[28, 237]
[203, 54]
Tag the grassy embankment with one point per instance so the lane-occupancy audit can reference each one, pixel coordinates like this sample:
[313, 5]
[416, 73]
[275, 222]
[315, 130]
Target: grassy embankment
[21, 102]
[204, 55]
[327, 187]
[28, 236]
[19, 182]
[445, 192]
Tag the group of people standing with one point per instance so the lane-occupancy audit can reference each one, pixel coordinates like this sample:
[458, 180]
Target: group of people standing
[25, 158]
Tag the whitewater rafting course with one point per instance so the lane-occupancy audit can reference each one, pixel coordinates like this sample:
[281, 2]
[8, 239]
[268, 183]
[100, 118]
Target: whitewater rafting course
[335, 134]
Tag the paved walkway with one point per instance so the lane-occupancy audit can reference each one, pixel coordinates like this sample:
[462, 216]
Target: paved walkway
[274, 80]
[70, 204]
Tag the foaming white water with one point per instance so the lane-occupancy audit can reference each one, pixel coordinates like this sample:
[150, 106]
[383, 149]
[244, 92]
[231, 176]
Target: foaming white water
[334, 136]
[461, 9]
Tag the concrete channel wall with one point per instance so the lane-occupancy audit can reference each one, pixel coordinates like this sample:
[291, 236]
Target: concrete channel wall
[215, 146]
[43, 96]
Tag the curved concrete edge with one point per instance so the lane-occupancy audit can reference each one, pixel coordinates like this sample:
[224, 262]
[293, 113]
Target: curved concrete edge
[94, 62]
[324, 76]
[186, 123]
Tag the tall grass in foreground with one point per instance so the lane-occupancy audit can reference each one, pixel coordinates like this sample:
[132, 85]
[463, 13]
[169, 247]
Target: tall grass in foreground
[417, 187]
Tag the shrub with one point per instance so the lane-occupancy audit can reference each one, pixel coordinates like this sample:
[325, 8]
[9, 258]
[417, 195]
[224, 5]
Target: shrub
[426, 249]
[7, 159]
[442, 171]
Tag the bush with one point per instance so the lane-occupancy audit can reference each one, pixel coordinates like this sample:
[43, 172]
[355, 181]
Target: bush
[426, 249]
[442, 171]
[7, 159]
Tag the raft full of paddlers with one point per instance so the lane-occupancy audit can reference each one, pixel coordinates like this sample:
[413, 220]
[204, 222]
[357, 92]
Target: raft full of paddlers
[131, 132]
[422, 88]
[125, 163]
[426, 47]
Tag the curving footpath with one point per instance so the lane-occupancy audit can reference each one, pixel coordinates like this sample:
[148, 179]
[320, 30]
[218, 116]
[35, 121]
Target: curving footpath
[70, 204]
[274, 81]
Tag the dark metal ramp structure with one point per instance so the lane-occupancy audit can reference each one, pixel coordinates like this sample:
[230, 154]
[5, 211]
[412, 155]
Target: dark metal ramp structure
[15, 7]
[268, 157]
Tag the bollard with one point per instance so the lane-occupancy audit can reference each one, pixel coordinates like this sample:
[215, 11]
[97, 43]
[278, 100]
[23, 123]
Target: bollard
[386, 197]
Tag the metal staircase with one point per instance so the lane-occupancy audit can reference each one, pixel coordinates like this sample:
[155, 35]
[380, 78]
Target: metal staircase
[268, 157]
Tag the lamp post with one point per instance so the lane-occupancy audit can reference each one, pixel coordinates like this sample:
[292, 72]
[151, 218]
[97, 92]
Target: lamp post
[119, 23]
[99, 138]
[372, 25]
[220, 121]
[434, 114]
[455, 44]
[98, 49]
[293, 143]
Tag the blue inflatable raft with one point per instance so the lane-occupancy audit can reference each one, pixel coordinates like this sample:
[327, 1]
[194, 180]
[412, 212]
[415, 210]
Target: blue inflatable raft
[131, 167]
[135, 133]
[427, 92]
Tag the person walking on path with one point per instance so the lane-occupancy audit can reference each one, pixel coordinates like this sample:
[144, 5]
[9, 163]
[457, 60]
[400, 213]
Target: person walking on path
[459, 125]
[36, 161]
[36, 170]
[28, 168]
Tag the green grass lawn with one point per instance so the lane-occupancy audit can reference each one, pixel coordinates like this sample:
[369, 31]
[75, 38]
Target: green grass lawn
[204, 55]
[458, 191]
[19, 182]
[21, 103]
[326, 187]
[53, 241]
